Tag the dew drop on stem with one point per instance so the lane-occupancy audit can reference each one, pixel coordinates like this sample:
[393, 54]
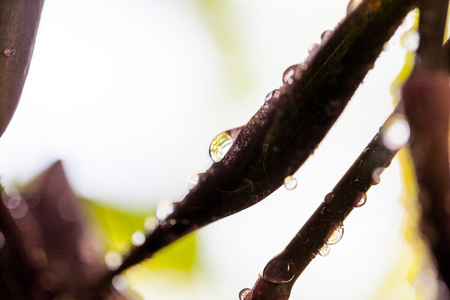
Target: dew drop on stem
[273, 94]
[10, 51]
[119, 282]
[138, 238]
[246, 294]
[360, 200]
[410, 40]
[279, 271]
[289, 74]
[352, 5]
[329, 197]
[395, 134]
[375, 179]
[325, 250]
[290, 183]
[150, 224]
[164, 208]
[336, 236]
[113, 260]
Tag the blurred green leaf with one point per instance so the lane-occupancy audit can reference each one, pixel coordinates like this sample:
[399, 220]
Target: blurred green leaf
[117, 226]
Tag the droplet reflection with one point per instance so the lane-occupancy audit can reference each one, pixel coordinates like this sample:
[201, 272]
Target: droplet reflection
[138, 238]
[396, 132]
[245, 294]
[325, 250]
[113, 260]
[290, 183]
[336, 236]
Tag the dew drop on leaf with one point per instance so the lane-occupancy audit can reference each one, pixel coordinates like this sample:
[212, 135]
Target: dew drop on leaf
[289, 73]
[220, 146]
[352, 5]
[192, 181]
[290, 183]
[336, 236]
[245, 294]
[326, 36]
[164, 208]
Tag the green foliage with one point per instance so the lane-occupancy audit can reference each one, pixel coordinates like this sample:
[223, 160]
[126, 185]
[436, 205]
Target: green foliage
[118, 225]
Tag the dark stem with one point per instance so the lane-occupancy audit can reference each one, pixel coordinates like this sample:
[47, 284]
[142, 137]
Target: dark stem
[287, 129]
[282, 271]
[19, 21]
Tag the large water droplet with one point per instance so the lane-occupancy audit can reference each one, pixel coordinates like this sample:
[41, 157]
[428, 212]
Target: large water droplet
[246, 294]
[138, 238]
[352, 5]
[325, 250]
[164, 208]
[220, 146]
[396, 132]
[360, 200]
[410, 40]
[10, 51]
[222, 143]
[336, 236]
[113, 260]
[290, 183]
[279, 271]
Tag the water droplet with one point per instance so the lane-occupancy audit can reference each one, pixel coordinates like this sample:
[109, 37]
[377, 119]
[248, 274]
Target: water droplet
[150, 224]
[289, 74]
[376, 176]
[246, 294]
[329, 197]
[410, 40]
[12, 202]
[326, 36]
[360, 200]
[273, 94]
[119, 282]
[138, 238]
[279, 271]
[336, 236]
[312, 51]
[220, 146]
[396, 132]
[113, 260]
[290, 183]
[352, 5]
[2, 240]
[325, 250]
[164, 209]
[10, 51]
[193, 181]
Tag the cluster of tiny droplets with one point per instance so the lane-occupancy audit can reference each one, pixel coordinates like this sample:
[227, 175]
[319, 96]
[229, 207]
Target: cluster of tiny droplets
[9, 52]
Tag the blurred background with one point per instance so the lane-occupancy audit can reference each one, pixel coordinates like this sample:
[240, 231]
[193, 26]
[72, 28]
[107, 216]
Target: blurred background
[130, 94]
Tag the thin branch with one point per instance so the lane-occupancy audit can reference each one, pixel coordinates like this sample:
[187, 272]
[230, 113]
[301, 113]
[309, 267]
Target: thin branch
[282, 271]
[286, 130]
[19, 21]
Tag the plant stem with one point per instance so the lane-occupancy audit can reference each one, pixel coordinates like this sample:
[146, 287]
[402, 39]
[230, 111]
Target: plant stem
[19, 21]
[327, 218]
[286, 130]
